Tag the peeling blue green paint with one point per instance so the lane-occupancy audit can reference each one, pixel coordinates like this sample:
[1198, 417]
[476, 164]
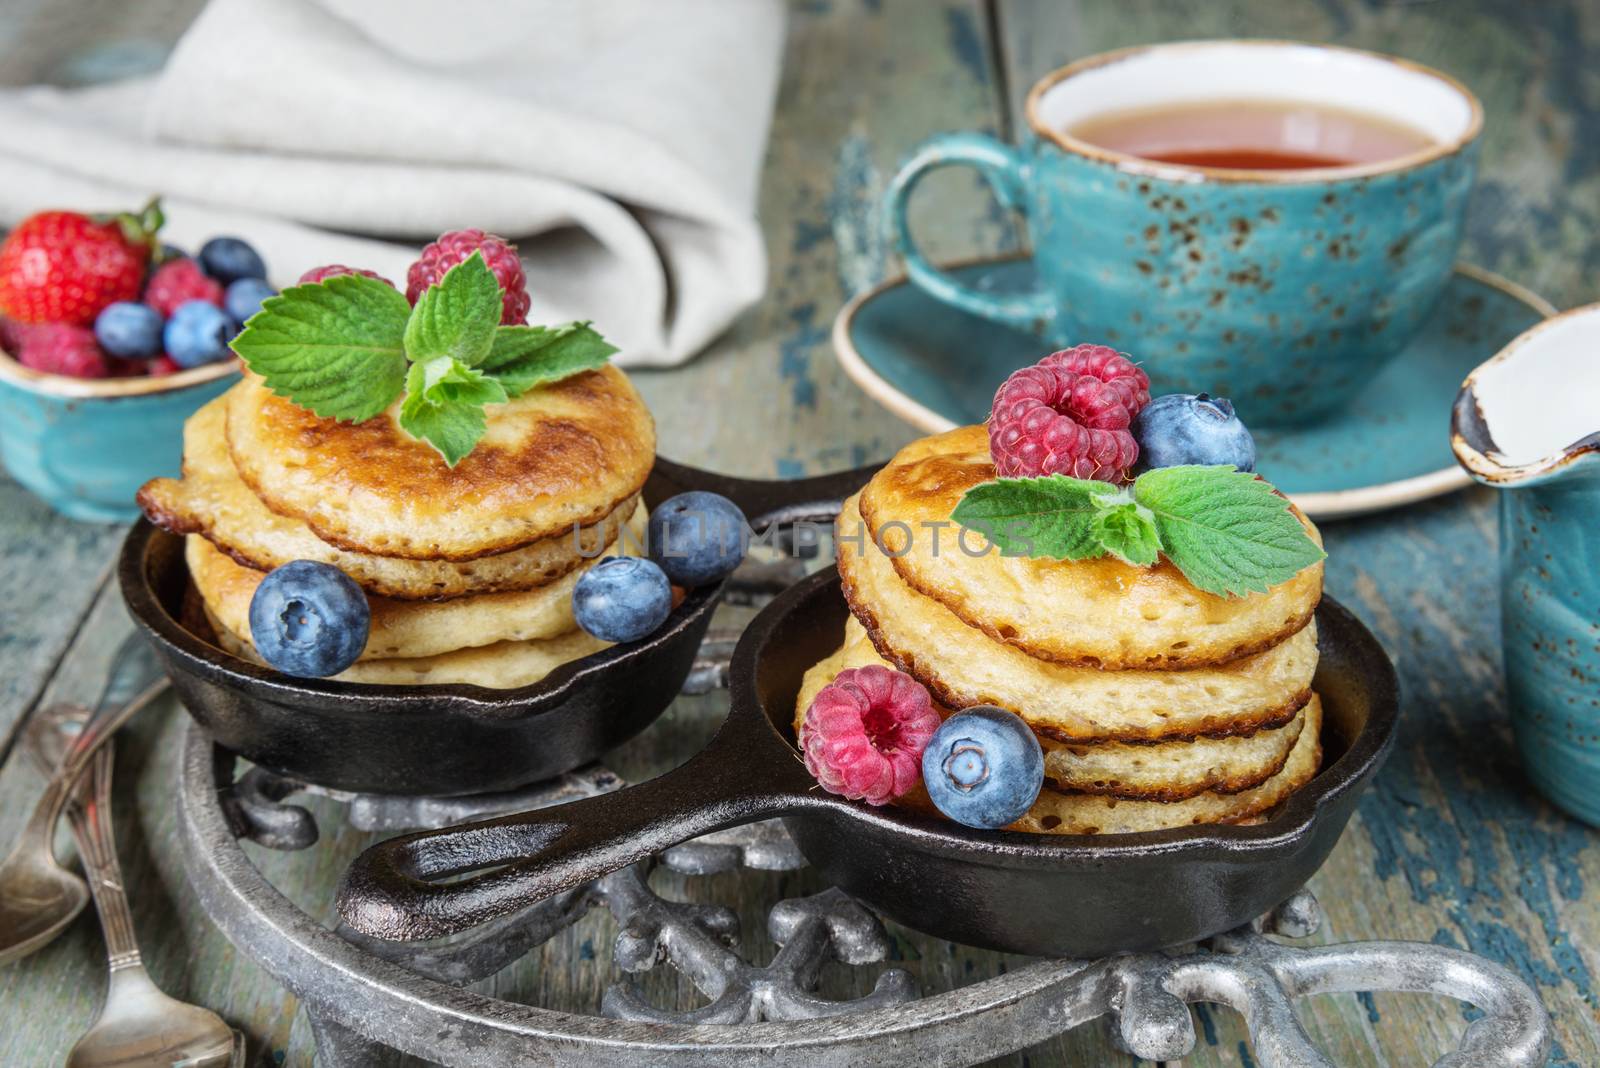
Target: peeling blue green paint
[855, 216]
[966, 43]
[808, 235]
[1452, 814]
[794, 355]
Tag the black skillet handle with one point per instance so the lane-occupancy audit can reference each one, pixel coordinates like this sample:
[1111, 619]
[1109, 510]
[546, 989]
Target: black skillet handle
[764, 501]
[391, 892]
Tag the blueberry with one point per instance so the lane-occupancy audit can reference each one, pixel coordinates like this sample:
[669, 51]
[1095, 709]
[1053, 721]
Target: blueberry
[697, 538]
[622, 599]
[1183, 429]
[243, 298]
[228, 259]
[197, 333]
[983, 767]
[129, 331]
[309, 619]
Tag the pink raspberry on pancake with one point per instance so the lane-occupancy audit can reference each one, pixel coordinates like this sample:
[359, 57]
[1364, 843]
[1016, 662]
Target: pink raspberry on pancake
[456, 246]
[1069, 414]
[334, 270]
[864, 734]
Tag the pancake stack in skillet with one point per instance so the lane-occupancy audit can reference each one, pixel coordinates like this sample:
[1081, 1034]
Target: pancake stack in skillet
[1157, 704]
[468, 570]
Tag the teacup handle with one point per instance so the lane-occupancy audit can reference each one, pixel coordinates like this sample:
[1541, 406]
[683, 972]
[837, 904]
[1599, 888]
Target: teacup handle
[1005, 168]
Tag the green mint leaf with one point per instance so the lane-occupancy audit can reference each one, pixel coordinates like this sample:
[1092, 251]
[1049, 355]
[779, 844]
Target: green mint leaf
[528, 356]
[452, 429]
[336, 348]
[1049, 516]
[444, 405]
[1226, 530]
[458, 316]
[1125, 528]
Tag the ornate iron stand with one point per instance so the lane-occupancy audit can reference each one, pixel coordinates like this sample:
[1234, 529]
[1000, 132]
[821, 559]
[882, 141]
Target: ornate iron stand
[379, 1004]
[372, 1003]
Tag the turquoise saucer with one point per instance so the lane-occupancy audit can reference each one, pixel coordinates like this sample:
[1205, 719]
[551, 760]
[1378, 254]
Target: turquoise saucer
[936, 368]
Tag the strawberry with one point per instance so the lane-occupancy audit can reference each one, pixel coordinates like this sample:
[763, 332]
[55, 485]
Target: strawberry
[63, 267]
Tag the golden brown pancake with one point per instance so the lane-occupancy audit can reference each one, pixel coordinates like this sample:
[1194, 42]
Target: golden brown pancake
[1171, 771]
[212, 500]
[409, 629]
[1168, 771]
[1092, 613]
[562, 454]
[502, 666]
[963, 666]
[1058, 813]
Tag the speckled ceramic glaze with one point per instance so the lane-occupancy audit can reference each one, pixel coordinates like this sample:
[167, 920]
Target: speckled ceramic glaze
[1284, 290]
[86, 445]
[1527, 422]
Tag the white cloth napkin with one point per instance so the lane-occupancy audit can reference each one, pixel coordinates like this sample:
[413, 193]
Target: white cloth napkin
[619, 142]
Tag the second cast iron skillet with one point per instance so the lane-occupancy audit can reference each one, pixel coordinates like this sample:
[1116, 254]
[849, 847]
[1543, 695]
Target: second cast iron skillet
[444, 740]
[1076, 896]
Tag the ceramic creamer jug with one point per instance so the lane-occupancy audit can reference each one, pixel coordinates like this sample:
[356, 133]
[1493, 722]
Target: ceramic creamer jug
[1527, 422]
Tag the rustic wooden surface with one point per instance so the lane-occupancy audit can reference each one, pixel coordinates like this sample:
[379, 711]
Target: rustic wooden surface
[1450, 846]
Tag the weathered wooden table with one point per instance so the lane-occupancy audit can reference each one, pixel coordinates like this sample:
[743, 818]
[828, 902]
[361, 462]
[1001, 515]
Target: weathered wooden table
[1451, 846]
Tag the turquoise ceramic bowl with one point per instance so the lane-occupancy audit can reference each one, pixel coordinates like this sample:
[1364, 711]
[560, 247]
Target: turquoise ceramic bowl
[86, 445]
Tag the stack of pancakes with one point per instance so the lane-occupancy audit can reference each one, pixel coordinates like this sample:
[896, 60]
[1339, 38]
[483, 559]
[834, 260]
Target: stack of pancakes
[1157, 704]
[468, 570]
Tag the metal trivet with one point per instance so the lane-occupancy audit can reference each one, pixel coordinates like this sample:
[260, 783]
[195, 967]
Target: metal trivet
[375, 1004]
[368, 1000]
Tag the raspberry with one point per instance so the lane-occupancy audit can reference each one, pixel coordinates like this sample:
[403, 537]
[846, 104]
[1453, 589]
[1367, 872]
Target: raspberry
[501, 256]
[864, 734]
[1069, 414]
[333, 270]
[12, 334]
[63, 350]
[178, 281]
[162, 365]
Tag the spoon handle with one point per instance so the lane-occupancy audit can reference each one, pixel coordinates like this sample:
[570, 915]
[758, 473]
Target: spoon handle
[97, 845]
[99, 727]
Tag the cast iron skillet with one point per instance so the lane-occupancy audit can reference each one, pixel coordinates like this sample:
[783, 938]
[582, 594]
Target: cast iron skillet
[1079, 896]
[446, 740]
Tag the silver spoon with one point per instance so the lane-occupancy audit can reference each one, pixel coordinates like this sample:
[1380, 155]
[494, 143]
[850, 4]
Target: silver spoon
[38, 897]
[139, 1026]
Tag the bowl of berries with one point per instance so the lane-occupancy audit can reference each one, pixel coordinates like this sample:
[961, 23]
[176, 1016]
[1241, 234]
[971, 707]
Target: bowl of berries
[109, 340]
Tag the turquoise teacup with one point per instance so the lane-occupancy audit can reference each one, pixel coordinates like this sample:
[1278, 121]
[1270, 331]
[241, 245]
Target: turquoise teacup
[1285, 290]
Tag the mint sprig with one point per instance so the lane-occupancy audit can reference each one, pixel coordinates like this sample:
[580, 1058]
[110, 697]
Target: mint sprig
[457, 317]
[1229, 532]
[1048, 516]
[1125, 528]
[336, 348]
[527, 356]
[347, 347]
